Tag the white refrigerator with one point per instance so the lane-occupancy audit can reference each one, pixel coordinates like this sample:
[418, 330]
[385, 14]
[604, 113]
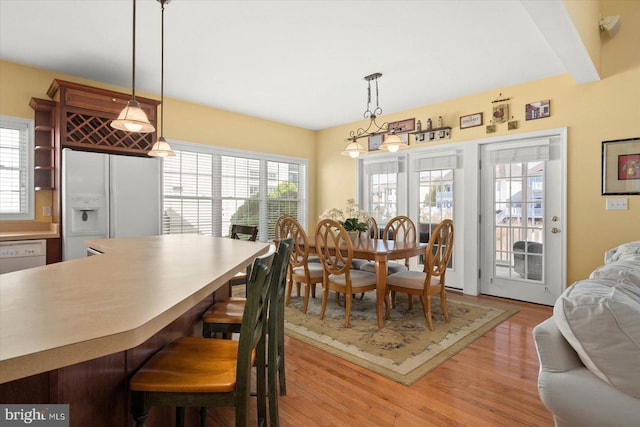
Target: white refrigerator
[106, 195]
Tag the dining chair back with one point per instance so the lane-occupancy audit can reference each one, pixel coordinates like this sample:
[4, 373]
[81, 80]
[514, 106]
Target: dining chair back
[203, 372]
[276, 380]
[301, 271]
[401, 229]
[372, 228]
[335, 250]
[398, 229]
[243, 232]
[431, 280]
[371, 233]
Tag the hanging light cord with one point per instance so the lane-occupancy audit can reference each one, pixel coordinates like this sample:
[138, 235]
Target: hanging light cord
[373, 128]
[162, 2]
[133, 72]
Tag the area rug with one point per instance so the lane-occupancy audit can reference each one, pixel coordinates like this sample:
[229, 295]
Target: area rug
[405, 349]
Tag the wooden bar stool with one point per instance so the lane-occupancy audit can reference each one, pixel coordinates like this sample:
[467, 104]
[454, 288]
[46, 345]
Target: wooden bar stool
[226, 317]
[203, 372]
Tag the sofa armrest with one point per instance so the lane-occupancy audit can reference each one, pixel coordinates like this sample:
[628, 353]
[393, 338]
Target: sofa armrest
[574, 395]
[555, 354]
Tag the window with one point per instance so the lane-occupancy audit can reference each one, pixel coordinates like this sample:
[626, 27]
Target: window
[16, 168]
[382, 189]
[206, 189]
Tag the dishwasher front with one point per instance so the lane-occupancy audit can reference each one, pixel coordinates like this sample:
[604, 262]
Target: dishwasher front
[20, 254]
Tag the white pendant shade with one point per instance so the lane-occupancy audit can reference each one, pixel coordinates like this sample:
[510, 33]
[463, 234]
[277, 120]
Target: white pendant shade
[133, 119]
[161, 149]
[353, 150]
[393, 143]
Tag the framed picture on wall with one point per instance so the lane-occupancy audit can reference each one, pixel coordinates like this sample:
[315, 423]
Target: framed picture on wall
[621, 166]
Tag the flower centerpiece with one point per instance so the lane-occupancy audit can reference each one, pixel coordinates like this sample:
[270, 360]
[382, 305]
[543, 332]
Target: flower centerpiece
[351, 218]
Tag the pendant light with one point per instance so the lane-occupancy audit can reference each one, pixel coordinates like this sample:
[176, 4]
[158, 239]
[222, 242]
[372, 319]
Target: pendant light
[353, 149]
[392, 142]
[132, 118]
[162, 148]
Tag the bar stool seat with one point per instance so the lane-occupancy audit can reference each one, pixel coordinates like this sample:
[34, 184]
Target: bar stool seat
[228, 312]
[190, 365]
[203, 372]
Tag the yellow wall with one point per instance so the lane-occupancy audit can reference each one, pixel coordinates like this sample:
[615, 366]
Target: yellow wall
[184, 121]
[593, 112]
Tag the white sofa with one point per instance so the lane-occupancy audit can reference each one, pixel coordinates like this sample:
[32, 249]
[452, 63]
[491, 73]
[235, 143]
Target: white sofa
[589, 350]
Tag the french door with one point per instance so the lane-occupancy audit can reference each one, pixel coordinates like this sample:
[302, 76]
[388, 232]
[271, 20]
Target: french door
[522, 219]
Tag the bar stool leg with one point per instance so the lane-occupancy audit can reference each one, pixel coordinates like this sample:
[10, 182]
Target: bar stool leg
[138, 409]
[180, 416]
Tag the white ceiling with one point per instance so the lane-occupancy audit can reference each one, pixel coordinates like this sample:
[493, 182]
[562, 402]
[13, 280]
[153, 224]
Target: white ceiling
[299, 62]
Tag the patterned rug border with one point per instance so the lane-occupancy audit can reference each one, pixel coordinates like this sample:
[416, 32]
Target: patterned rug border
[418, 368]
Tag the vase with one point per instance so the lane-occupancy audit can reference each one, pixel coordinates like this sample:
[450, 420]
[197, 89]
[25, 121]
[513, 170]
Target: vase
[353, 235]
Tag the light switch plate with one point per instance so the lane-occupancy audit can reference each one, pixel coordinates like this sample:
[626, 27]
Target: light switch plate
[617, 204]
[46, 211]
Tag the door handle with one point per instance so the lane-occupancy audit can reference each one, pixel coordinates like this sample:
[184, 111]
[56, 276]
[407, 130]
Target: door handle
[555, 230]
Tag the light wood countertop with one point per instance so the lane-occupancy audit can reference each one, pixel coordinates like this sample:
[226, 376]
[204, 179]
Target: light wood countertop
[69, 312]
[25, 230]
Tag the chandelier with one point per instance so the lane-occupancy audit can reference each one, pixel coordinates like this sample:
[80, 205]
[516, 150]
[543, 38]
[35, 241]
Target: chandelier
[392, 142]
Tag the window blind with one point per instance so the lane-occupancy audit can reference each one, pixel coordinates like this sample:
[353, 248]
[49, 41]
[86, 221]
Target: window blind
[533, 151]
[16, 171]
[442, 160]
[206, 190]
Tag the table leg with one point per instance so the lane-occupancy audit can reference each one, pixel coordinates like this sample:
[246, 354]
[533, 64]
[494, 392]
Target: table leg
[381, 284]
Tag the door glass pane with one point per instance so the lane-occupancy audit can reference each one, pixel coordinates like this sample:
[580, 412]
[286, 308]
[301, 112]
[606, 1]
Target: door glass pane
[436, 202]
[384, 197]
[519, 208]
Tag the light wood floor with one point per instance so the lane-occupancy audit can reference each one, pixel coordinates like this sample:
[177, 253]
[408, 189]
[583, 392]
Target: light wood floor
[493, 382]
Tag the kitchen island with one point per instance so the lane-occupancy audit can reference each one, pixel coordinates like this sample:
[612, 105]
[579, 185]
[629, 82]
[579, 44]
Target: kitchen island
[74, 332]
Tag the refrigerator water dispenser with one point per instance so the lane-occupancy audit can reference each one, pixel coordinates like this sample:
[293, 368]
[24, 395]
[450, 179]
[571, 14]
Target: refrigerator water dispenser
[88, 214]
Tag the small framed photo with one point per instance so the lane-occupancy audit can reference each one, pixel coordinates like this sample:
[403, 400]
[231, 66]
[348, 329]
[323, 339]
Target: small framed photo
[472, 120]
[621, 166]
[491, 128]
[537, 110]
[375, 141]
[406, 125]
[500, 113]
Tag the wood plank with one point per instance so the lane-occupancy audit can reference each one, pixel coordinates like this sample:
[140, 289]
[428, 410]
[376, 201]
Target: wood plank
[492, 382]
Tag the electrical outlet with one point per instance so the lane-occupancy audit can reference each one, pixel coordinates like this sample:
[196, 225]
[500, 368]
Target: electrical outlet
[46, 210]
[617, 204]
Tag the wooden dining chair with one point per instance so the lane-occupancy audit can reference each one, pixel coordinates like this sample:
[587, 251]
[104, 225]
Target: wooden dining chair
[203, 372]
[431, 280]
[301, 271]
[371, 233]
[335, 250]
[226, 317]
[241, 232]
[399, 229]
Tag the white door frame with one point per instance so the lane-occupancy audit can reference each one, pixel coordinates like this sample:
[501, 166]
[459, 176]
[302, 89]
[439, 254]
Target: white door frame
[472, 215]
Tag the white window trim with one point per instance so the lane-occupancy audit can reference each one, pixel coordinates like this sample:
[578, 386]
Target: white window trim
[263, 157]
[27, 125]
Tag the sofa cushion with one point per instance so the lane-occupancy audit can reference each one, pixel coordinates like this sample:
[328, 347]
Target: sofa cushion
[600, 318]
[627, 270]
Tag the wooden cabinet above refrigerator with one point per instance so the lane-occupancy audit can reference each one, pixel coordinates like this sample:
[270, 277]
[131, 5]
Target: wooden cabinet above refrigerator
[85, 119]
